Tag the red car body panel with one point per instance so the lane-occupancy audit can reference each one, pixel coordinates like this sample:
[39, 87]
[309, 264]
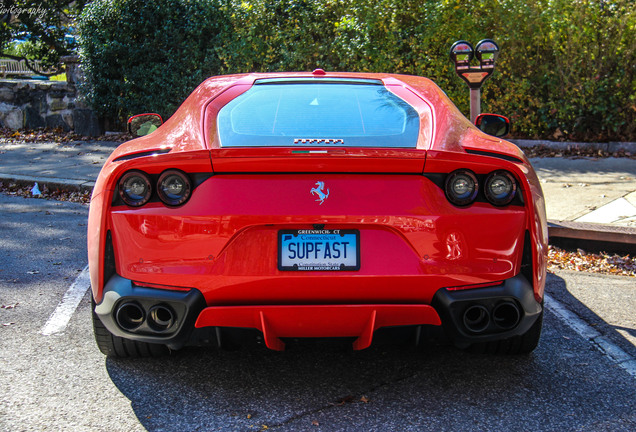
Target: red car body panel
[223, 241]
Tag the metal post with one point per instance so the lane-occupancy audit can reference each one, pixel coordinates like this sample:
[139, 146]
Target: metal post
[475, 103]
[461, 53]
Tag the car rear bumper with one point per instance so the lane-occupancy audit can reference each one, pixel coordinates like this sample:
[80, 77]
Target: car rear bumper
[130, 311]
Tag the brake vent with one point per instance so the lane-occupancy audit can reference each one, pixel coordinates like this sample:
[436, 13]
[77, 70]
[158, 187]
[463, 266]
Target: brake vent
[142, 154]
[492, 154]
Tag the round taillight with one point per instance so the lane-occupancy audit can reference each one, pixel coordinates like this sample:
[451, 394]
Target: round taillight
[461, 187]
[500, 188]
[135, 188]
[174, 187]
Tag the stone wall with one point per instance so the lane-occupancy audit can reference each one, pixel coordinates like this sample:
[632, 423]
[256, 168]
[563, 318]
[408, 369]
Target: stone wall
[33, 104]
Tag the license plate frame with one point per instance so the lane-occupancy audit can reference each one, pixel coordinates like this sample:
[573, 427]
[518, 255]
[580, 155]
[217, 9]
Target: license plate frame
[340, 254]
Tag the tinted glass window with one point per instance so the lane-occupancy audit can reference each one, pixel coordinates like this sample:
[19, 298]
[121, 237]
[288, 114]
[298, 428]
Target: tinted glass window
[341, 113]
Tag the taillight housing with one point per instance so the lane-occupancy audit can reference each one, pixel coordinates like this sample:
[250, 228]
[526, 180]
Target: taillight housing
[461, 187]
[500, 188]
[174, 187]
[135, 188]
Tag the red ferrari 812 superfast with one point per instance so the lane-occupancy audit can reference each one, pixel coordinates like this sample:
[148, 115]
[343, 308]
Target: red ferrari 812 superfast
[305, 205]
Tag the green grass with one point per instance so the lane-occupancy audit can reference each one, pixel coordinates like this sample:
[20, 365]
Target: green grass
[60, 77]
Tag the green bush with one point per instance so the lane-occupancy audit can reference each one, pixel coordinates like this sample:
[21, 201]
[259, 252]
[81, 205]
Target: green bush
[147, 55]
[566, 69]
[279, 35]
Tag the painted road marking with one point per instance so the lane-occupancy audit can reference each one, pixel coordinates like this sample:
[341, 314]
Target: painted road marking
[601, 343]
[64, 311]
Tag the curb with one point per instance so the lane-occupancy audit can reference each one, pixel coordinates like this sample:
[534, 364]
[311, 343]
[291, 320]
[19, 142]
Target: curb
[51, 182]
[592, 232]
[610, 147]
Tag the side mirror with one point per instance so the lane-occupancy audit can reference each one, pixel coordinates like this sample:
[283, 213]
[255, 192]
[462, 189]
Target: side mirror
[493, 124]
[144, 124]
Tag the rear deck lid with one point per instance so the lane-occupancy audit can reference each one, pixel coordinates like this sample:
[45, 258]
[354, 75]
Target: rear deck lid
[325, 124]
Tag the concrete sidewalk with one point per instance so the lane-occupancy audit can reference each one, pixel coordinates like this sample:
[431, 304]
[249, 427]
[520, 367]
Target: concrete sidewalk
[586, 198]
[73, 165]
[590, 199]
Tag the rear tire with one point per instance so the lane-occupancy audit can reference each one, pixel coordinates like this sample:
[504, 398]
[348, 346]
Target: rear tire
[116, 346]
[522, 344]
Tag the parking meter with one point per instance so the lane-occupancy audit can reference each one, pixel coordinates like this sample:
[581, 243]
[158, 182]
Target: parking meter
[461, 54]
[487, 52]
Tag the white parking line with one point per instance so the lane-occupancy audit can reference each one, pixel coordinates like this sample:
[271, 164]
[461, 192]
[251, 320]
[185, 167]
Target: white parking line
[601, 343]
[61, 316]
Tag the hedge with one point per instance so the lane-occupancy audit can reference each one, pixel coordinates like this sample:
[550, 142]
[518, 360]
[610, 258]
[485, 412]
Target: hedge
[566, 69]
[147, 55]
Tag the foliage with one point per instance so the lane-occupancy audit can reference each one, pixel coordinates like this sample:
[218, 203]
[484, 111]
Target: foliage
[280, 35]
[36, 30]
[566, 68]
[59, 77]
[147, 55]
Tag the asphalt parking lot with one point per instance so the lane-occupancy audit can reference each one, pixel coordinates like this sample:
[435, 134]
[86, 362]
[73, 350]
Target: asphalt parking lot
[581, 377]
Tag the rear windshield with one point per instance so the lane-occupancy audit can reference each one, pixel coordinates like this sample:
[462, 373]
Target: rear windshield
[331, 113]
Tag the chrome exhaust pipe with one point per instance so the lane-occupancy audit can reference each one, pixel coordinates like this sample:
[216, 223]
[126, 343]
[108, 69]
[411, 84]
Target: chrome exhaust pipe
[476, 318]
[130, 316]
[506, 315]
[161, 318]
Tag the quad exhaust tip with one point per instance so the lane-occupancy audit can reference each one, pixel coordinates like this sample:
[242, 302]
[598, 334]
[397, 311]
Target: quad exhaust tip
[506, 315]
[160, 318]
[477, 318]
[131, 316]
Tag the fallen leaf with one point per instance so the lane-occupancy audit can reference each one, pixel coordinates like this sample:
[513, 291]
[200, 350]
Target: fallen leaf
[591, 262]
[343, 400]
[364, 399]
[315, 423]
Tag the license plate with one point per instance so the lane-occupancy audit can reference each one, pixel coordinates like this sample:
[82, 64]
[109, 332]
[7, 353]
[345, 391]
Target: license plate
[318, 250]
